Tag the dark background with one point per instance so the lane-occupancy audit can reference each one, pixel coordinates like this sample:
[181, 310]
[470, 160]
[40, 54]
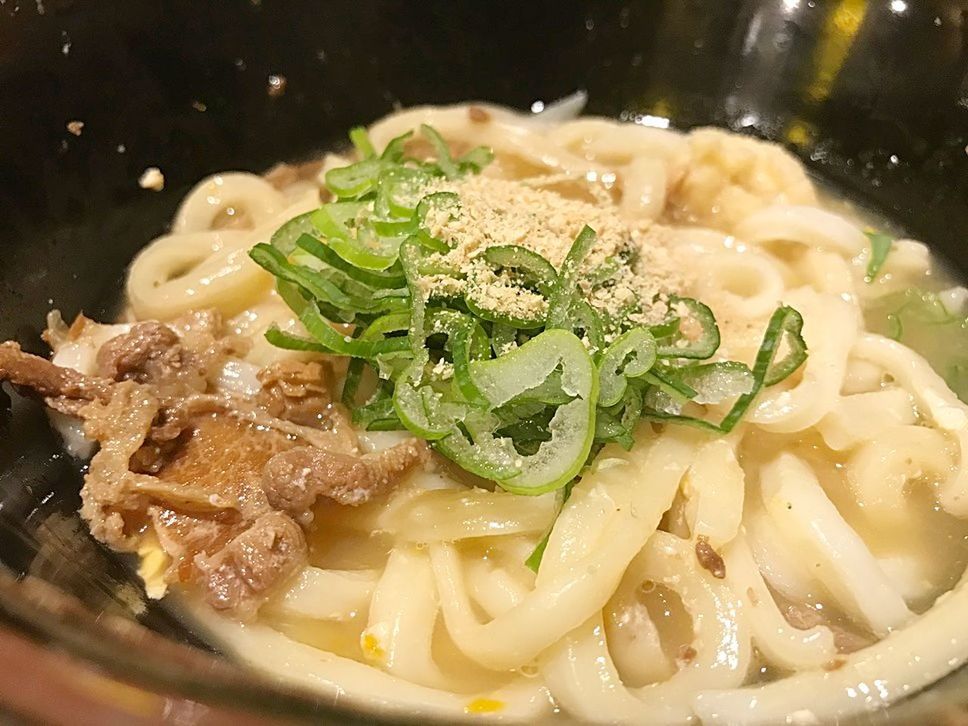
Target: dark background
[873, 96]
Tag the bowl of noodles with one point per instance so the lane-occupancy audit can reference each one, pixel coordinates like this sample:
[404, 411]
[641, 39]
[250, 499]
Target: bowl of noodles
[634, 393]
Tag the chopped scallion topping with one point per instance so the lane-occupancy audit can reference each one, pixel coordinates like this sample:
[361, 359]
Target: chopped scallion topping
[880, 248]
[523, 399]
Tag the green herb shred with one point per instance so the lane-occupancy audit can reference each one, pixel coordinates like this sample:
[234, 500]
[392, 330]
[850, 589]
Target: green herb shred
[524, 401]
[880, 248]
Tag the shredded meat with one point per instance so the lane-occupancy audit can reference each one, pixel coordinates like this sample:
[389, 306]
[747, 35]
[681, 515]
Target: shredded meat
[297, 391]
[207, 471]
[238, 575]
[45, 378]
[686, 655]
[294, 479]
[178, 357]
[183, 536]
[126, 356]
[709, 558]
[110, 498]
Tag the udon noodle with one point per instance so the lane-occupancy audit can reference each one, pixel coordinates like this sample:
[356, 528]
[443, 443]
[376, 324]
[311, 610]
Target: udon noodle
[838, 504]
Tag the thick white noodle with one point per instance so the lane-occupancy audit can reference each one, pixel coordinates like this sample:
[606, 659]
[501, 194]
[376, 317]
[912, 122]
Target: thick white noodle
[436, 570]
[812, 525]
[583, 677]
[781, 644]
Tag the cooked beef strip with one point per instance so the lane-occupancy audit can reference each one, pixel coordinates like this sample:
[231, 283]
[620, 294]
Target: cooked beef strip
[185, 353]
[110, 500]
[296, 391]
[45, 378]
[293, 479]
[192, 464]
[239, 575]
[126, 356]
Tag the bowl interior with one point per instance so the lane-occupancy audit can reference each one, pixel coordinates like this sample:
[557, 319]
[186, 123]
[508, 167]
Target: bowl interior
[874, 100]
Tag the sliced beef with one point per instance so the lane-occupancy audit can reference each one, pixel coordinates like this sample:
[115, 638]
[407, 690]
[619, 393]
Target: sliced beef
[709, 558]
[181, 356]
[128, 356]
[110, 499]
[222, 481]
[46, 379]
[297, 391]
[239, 575]
[294, 479]
[224, 456]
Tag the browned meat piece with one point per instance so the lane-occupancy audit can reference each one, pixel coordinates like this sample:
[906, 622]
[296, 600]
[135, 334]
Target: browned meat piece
[225, 457]
[804, 617]
[302, 393]
[297, 391]
[45, 378]
[478, 115]
[239, 575]
[220, 480]
[185, 353]
[183, 536]
[294, 479]
[709, 558]
[127, 356]
[110, 501]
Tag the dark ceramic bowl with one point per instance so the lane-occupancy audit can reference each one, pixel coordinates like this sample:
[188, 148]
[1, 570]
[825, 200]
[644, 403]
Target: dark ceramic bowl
[871, 94]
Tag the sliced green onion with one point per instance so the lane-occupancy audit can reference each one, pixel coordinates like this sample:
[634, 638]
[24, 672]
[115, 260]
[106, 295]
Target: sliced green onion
[572, 427]
[716, 382]
[789, 323]
[562, 297]
[880, 248]
[377, 414]
[394, 150]
[378, 255]
[671, 385]
[361, 141]
[355, 180]
[699, 348]
[530, 417]
[503, 338]
[785, 324]
[534, 559]
[332, 341]
[631, 355]
[312, 281]
[401, 189]
[510, 320]
[374, 278]
[461, 330]
[476, 159]
[422, 410]
[444, 160]
[535, 268]
[291, 295]
[284, 238]
[337, 220]
[585, 320]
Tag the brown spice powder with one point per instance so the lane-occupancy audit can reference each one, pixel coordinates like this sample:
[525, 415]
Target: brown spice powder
[634, 262]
